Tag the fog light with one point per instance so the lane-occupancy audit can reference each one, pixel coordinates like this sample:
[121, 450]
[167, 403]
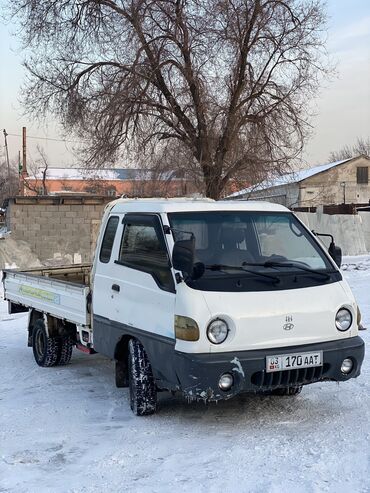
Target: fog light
[226, 381]
[347, 366]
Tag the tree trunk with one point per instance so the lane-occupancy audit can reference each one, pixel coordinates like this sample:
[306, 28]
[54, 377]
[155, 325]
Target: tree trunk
[213, 185]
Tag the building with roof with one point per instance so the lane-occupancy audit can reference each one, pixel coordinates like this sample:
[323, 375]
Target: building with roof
[341, 182]
[110, 182]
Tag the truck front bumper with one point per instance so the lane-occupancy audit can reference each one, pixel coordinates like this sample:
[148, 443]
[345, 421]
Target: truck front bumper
[198, 374]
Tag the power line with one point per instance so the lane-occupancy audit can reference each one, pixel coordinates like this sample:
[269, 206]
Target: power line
[51, 138]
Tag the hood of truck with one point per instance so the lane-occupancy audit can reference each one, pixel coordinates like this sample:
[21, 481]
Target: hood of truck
[268, 319]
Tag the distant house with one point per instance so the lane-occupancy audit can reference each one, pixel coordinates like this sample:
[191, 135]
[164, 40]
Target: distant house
[110, 182]
[341, 182]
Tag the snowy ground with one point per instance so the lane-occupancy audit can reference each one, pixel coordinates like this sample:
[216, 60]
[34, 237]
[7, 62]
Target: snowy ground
[70, 430]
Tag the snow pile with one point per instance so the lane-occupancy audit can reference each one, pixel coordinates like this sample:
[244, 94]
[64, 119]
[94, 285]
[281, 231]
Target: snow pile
[4, 232]
[69, 430]
[15, 254]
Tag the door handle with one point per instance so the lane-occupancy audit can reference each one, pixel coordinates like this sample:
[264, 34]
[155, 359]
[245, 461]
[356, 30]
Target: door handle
[116, 287]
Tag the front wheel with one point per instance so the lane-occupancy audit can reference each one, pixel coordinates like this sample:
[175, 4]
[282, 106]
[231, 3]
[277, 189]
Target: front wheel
[143, 393]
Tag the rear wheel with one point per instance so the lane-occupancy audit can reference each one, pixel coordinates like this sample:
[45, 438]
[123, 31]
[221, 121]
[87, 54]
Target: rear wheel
[65, 350]
[143, 393]
[288, 391]
[46, 349]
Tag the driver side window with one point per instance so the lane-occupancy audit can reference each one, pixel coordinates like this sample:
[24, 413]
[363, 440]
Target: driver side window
[143, 248]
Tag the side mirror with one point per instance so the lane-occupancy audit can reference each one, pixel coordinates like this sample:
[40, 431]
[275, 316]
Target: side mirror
[336, 253]
[183, 256]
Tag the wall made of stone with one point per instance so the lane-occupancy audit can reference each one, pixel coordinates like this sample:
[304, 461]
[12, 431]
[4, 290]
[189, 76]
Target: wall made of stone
[64, 229]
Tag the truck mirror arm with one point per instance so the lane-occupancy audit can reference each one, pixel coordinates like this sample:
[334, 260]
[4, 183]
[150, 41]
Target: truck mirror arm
[324, 234]
[334, 251]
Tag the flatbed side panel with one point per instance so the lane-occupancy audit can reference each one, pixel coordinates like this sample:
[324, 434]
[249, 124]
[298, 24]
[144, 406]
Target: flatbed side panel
[58, 298]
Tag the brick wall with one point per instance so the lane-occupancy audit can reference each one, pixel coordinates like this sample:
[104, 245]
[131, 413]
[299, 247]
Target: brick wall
[57, 227]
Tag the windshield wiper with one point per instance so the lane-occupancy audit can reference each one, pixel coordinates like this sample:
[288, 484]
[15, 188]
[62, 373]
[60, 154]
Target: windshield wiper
[289, 265]
[222, 267]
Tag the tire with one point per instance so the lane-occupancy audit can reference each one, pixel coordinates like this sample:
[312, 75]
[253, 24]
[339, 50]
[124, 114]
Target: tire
[65, 350]
[143, 393]
[46, 350]
[287, 391]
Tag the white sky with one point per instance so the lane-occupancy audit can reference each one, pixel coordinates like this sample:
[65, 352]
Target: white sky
[342, 108]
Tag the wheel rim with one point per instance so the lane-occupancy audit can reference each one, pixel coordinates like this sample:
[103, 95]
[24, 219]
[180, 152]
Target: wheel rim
[40, 343]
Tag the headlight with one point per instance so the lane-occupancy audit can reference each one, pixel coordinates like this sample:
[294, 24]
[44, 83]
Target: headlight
[217, 331]
[343, 320]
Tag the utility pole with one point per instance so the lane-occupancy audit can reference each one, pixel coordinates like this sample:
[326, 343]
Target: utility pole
[24, 163]
[7, 158]
[24, 160]
[20, 180]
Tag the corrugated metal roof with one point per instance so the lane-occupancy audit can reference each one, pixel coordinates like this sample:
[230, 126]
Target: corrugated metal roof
[289, 178]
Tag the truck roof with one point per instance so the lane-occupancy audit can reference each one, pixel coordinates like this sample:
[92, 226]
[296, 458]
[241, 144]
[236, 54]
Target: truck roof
[189, 204]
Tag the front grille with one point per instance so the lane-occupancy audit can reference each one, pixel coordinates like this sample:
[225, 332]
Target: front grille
[288, 378]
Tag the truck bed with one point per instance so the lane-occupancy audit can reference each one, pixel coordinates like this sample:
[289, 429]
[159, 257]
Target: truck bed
[62, 292]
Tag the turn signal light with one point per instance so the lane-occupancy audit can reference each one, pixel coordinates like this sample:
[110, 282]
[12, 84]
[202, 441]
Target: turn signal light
[186, 328]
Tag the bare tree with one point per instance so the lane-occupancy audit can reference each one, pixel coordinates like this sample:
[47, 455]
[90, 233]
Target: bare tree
[8, 187]
[36, 182]
[361, 147]
[44, 164]
[228, 80]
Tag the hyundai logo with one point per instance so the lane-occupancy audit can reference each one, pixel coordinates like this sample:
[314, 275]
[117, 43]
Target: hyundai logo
[289, 325]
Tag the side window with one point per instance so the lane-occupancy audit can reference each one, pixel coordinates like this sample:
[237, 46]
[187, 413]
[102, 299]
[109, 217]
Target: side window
[108, 239]
[363, 175]
[143, 248]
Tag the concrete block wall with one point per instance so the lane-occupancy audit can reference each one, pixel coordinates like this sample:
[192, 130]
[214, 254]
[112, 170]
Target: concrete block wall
[56, 228]
[365, 221]
[67, 228]
[351, 232]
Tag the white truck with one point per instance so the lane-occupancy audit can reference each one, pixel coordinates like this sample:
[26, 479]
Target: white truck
[208, 298]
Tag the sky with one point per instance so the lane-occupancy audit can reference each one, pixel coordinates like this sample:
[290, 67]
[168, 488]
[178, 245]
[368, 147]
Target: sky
[342, 107]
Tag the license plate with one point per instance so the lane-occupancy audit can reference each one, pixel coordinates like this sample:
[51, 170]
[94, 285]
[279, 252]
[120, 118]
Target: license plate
[293, 361]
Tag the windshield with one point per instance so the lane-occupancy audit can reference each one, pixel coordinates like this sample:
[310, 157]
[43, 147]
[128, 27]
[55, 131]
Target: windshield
[252, 242]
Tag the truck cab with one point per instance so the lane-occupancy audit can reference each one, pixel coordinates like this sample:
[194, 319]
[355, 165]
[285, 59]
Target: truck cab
[217, 298]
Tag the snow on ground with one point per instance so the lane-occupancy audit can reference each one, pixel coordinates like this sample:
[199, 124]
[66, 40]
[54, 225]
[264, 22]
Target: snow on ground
[70, 430]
